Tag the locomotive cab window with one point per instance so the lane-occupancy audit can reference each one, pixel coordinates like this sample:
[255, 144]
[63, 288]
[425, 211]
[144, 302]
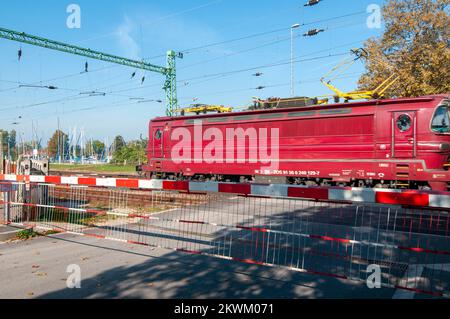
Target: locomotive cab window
[158, 134]
[404, 122]
[441, 120]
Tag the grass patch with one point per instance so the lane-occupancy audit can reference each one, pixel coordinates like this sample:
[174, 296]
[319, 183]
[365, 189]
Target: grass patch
[101, 168]
[26, 234]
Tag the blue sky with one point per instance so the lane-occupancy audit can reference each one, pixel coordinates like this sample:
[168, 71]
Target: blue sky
[147, 29]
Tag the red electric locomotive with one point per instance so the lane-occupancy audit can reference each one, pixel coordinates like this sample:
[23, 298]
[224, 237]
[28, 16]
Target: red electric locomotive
[397, 143]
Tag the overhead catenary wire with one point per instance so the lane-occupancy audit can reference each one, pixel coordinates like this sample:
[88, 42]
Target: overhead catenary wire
[253, 68]
[223, 42]
[278, 40]
[128, 103]
[114, 66]
[80, 95]
[122, 103]
[205, 77]
[311, 80]
[190, 50]
[264, 66]
[187, 51]
[58, 78]
[31, 85]
[217, 75]
[225, 74]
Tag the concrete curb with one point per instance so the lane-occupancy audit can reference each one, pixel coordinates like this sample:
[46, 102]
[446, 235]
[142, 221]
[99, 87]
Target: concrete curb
[8, 232]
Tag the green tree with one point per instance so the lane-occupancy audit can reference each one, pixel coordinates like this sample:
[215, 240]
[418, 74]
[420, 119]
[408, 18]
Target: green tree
[415, 46]
[96, 147]
[118, 143]
[99, 147]
[4, 142]
[12, 141]
[132, 153]
[59, 142]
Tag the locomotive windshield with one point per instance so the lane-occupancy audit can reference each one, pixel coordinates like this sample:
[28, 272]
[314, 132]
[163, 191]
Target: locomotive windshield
[441, 119]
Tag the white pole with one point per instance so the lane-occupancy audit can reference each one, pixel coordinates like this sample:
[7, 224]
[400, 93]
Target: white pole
[74, 143]
[22, 138]
[82, 146]
[59, 144]
[295, 26]
[1, 152]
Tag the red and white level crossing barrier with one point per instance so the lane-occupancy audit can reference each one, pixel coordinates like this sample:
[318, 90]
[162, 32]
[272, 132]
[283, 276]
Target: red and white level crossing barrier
[238, 227]
[432, 199]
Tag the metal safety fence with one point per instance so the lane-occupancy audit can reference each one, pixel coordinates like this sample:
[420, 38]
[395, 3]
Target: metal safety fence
[341, 239]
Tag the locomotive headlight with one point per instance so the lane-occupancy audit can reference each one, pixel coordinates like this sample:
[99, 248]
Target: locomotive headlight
[444, 147]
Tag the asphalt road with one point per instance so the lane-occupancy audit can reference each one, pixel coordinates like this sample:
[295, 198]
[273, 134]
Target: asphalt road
[37, 269]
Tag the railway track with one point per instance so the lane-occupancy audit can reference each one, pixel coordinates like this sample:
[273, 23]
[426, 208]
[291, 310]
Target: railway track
[92, 174]
[105, 196]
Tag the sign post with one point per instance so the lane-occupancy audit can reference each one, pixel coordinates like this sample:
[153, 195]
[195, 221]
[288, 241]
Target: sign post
[7, 207]
[1, 152]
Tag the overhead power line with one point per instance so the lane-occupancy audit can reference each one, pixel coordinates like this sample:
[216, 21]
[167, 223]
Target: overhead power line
[216, 75]
[203, 78]
[267, 66]
[311, 80]
[204, 46]
[186, 51]
[222, 75]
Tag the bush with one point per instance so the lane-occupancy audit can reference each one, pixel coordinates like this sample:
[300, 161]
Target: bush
[26, 234]
[131, 153]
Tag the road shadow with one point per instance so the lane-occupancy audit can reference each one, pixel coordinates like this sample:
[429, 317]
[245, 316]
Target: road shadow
[180, 276]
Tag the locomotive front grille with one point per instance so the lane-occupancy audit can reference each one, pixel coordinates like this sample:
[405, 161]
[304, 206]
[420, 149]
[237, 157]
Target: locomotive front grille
[402, 171]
